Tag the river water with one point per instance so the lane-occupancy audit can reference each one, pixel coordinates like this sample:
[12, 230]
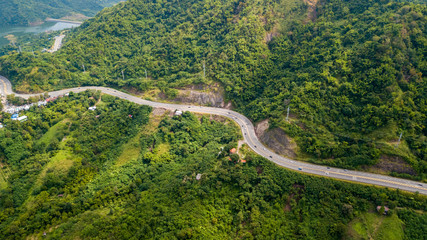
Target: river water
[47, 26]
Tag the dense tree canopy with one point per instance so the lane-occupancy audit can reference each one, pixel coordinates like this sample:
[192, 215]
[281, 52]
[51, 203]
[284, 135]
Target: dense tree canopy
[354, 77]
[115, 173]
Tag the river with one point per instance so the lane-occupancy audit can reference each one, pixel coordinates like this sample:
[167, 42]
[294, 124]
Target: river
[18, 31]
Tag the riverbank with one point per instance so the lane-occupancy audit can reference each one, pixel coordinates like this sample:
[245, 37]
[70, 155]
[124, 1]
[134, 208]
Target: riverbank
[63, 21]
[14, 32]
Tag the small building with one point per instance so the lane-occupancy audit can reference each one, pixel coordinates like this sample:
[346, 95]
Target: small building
[178, 113]
[92, 108]
[15, 116]
[1, 125]
[22, 118]
[243, 161]
[198, 176]
[386, 209]
[233, 151]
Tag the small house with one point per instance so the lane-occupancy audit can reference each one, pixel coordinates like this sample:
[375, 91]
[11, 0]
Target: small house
[233, 151]
[178, 113]
[92, 108]
[198, 176]
[22, 118]
[386, 209]
[1, 125]
[15, 116]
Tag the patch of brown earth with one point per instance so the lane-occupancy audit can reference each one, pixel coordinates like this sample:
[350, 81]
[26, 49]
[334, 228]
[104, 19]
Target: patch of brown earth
[261, 127]
[276, 139]
[159, 111]
[388, 164]
[218, 118]
[295, 193]
[200, 94]
[202, 98]
[312, 11]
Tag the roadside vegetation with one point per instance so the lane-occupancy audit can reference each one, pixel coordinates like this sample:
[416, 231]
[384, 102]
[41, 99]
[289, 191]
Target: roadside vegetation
[352, 72]
[103, 174]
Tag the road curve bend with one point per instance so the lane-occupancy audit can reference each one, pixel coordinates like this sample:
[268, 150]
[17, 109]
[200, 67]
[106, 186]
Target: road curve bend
[248, 132]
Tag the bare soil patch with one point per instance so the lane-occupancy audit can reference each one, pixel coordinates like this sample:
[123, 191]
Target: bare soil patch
[388, 164]
[312, 12]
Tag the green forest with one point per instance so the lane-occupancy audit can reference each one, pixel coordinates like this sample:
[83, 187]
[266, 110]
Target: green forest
[25, 12]
[125, 171]
[351, 72]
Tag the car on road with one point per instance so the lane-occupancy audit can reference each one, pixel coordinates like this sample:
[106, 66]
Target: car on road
[299, 168]
[263, 149]
[271, 156]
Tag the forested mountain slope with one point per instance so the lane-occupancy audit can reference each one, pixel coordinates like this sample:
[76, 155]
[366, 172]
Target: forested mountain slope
[354, 77]
[119, 172]
[24, 12]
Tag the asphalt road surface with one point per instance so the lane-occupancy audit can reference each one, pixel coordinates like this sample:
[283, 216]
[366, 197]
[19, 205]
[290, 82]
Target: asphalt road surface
[57, 44]
[252, 141]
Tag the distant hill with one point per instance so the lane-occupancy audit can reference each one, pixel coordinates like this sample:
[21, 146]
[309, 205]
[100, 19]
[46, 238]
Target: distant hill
[24, 12]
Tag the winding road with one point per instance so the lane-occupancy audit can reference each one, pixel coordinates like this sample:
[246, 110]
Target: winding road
[248, 132]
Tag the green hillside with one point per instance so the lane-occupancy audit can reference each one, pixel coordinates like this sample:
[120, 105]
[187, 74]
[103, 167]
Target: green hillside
[24, 12]
[352, 72]
[72, 173]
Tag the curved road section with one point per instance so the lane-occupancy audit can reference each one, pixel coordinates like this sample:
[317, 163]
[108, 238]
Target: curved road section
[248, 132]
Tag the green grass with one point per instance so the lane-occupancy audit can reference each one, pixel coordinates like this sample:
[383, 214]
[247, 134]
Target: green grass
[4, 174]
[374, 226]
[60, 164]
[131, 151]
[51, 133]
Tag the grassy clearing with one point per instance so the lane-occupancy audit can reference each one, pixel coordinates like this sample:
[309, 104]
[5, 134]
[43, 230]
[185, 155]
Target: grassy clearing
[60, 164]
[53, 131]
[374, 226]
[131, 149]
[4, 174]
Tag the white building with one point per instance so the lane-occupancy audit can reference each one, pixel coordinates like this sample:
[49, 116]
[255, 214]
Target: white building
[22, 118]
[92, 108]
